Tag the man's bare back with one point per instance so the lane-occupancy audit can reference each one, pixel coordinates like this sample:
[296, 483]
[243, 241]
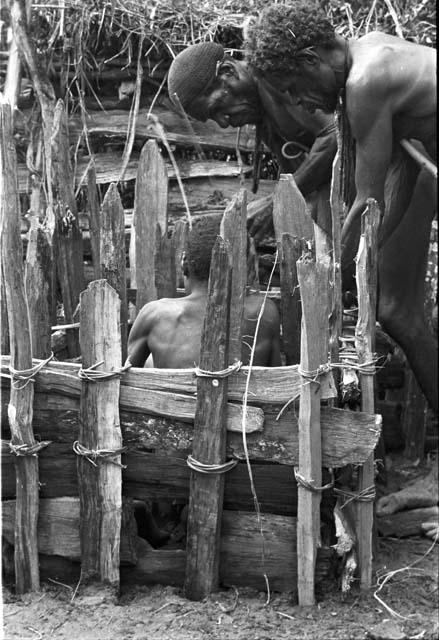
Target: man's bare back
[170, 330]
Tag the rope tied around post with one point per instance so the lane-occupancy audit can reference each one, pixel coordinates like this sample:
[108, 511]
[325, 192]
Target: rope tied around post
[200, 467]
[366, 495]
[307, 484]
[223, 373]
[25, 376]
[366, 368]
[91, 375]
[28, 449]
[94, 455]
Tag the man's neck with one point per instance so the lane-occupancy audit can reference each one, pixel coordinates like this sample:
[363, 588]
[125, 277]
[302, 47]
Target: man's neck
[197, 287]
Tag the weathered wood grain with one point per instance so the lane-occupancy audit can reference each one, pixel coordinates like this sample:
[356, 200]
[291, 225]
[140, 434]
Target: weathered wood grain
[94, 218]
[209, 443]
[313, 277]
[164, 265]
[290, 214]
[20, 409]
[112, 255]
[100, 484]
[366, 278]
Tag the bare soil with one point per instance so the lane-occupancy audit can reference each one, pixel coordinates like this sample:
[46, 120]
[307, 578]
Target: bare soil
[159, 613]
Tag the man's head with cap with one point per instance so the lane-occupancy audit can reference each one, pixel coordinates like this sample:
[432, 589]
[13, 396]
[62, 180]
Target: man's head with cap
[207, 83]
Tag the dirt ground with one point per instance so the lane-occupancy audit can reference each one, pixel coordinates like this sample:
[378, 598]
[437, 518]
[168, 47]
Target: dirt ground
[162, 613]
[408, 607]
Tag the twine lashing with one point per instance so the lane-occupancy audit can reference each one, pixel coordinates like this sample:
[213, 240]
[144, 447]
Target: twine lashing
[21, 450]
[307, 484]
[26, 376]
[195, 465]
[366, 495]
[91, 375]
[223, 373]
[93, 455]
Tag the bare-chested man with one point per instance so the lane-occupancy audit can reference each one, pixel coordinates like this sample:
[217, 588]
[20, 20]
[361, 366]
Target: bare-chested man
[170, 329]
[386, 87]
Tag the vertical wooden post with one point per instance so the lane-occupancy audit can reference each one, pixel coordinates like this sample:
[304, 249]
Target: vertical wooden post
[112, 254]
[94, 219]
[290, 250]
[150, 208]
[234, 232]
[180, 235]
[366, 275]
[313, 281]
[164, 265]
[336, 311]
[4, 324]
[20, 408]
[68, 234]
[290, 213]
[100, 486]
[209, 443]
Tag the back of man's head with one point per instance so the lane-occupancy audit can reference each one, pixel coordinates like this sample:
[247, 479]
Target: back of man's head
[191, 73]
[202, 237]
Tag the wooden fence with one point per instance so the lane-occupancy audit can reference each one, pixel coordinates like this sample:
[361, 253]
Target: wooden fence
[102, 440]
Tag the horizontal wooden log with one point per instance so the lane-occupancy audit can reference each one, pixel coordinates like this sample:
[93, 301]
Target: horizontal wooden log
[155, 477]
[406, 523]
[241, 548]
[348, 437]
[267, 384]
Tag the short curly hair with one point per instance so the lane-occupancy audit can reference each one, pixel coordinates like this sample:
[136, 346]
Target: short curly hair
[282, 31]
[202, 237]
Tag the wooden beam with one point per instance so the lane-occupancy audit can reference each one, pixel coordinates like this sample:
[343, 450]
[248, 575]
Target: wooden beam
[366, 277]
[112, 255]
[290, 214]
[209, 444]
[20, 409]
[94, 218]
[314, 287]
[100, 481]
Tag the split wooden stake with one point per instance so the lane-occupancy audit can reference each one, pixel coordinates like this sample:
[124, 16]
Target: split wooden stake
[366, 275]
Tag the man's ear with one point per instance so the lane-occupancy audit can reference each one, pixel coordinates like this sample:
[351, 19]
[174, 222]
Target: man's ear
[309, 56]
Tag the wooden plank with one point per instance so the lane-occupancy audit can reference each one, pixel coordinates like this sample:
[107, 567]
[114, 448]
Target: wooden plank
[180, 235]
[20, 409]
[112, 255]
[366, 277]
[107, 169]
[290, 214]
[94, 217]
[150, 208]
[39, 276]
[68, 235]
[150, 476]
[209, 444]
[290, 249]
[313, 279]
[347, 437]
[100, 487]
[164, 265]
[267, 384]
[234, 232]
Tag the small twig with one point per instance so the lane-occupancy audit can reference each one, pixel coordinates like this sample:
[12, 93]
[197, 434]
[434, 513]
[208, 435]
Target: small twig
[61, 584]
[285, 615]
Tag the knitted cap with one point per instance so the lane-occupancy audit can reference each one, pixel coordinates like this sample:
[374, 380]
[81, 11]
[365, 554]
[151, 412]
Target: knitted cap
[191, 73]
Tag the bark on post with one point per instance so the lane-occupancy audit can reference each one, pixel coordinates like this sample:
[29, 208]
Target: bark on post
[100, 486]
[180, 235]
[94, 213]
[366, 274]
[68, 235]
[314, 282]
[290, 213]
[150, 208]
[336, 311]
[209, 443]
[112, 254]
[20, 409]
[164, 267]
[290, 250]
[234, 232]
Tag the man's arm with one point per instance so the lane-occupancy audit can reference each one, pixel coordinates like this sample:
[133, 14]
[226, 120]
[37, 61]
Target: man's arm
[316, 169]
[138, 348]
[371, 124]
